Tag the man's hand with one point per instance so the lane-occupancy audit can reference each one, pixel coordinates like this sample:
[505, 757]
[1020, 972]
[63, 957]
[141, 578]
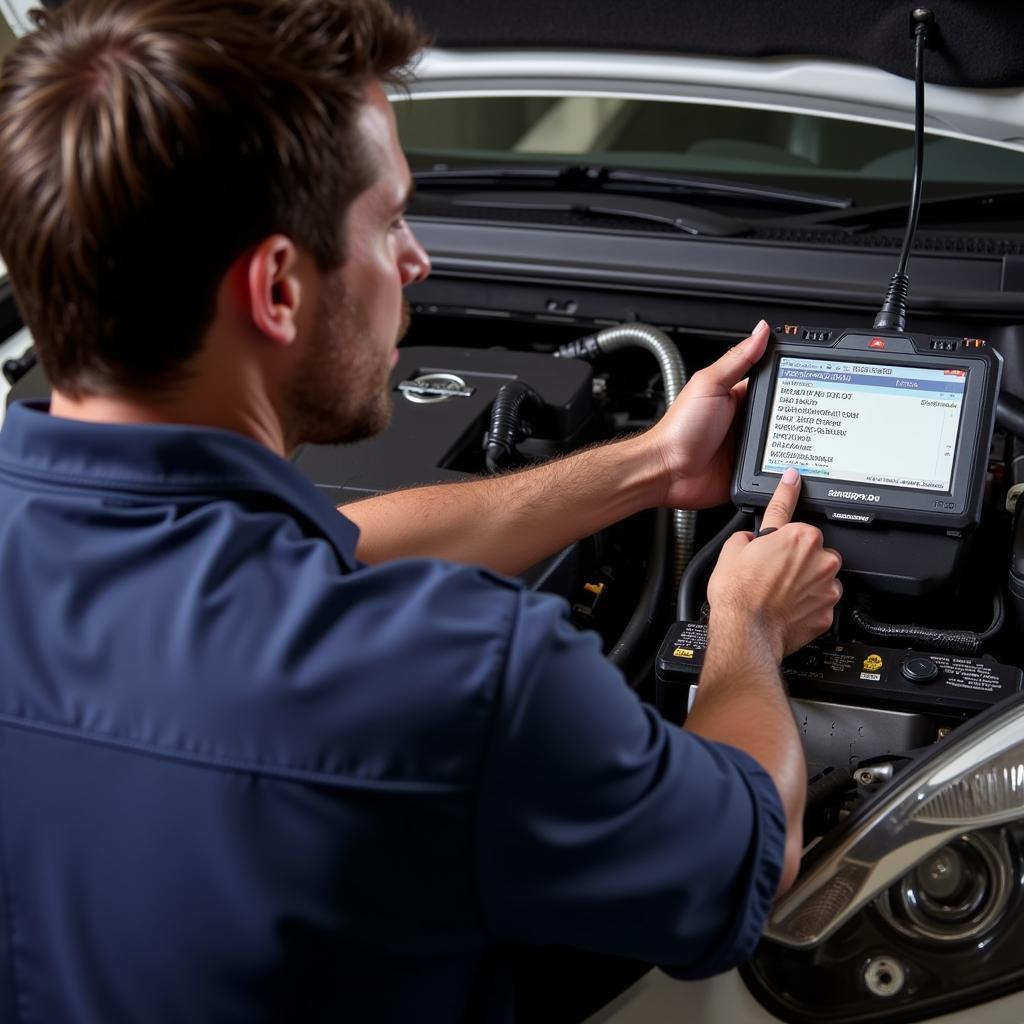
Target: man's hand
[696, 438]
[781, 585]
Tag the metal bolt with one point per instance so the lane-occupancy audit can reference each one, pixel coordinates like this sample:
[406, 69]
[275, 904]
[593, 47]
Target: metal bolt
[875, 774]
[884, 976]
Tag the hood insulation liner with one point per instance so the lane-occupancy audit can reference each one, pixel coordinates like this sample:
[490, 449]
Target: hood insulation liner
[978, 44]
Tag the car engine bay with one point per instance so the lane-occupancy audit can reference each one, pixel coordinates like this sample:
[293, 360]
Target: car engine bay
[936, 655]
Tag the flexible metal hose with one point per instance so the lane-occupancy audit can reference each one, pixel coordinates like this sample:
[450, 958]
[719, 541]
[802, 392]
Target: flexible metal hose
[673, 376]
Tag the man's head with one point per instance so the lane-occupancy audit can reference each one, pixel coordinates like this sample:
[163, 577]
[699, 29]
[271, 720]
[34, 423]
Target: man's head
[147, 147]
[337, 390]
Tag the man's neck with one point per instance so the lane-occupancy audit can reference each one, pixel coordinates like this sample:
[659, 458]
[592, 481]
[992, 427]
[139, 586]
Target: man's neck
[253, 419]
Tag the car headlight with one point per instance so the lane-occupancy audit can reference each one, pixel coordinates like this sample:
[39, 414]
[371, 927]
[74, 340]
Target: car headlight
[910, 907]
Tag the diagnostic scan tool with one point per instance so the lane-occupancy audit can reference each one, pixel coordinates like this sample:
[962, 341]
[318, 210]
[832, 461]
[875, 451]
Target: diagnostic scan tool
[890, 432]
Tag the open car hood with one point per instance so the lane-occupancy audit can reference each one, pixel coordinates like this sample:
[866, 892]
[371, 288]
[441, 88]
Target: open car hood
[852, 61]
[974, 45]
[828, 57]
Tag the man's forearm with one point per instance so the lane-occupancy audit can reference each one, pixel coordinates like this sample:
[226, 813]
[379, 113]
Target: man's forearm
[741, 701]
[512, 521]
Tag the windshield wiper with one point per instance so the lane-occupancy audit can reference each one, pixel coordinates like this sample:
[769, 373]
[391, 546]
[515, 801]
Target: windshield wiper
[988, 205]
[585, 177]
[689, 219]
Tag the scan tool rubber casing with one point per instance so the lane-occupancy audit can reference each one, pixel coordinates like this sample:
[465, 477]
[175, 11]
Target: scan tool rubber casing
[866, 504]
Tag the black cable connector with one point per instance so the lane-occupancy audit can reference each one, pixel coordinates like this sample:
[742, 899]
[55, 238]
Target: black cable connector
[893, 313]
[581, 348]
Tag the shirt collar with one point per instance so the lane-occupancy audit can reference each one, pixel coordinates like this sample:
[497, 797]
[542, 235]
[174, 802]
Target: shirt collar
[159, 458]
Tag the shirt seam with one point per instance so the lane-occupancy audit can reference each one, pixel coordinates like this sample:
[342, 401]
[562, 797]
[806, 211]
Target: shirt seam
[5, 886]
[200, 489]
[486, 759]
[49, 476]
[763, 877]
[213, 762]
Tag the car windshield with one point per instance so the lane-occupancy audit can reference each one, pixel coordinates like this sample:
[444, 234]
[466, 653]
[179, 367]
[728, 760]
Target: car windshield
[870, 162]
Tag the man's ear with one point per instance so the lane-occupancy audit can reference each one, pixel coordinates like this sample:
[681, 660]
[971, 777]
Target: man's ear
[272, 289]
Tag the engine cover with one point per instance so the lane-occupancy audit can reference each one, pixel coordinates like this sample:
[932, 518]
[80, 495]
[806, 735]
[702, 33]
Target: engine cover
[442, 400]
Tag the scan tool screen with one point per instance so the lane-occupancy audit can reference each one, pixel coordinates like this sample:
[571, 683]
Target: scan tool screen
[869, 423]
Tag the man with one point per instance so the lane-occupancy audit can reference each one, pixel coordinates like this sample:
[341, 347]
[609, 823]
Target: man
[244, 775]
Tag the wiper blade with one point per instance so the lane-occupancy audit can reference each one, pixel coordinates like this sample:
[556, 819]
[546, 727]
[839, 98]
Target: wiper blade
[742, 189]
[989, 205]
[444, 176]
[689, 219]
[584, 177]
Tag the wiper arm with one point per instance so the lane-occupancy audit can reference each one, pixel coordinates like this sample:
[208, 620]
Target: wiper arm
[689, 219]
[585, 177]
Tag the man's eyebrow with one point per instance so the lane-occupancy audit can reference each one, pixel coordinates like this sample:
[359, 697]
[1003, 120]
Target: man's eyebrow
[407, 197]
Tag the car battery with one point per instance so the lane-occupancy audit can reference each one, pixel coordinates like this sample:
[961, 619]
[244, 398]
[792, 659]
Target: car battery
[855, 673]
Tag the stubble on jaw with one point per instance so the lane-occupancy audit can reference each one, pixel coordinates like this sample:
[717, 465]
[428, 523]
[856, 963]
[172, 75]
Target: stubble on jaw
[339, 391]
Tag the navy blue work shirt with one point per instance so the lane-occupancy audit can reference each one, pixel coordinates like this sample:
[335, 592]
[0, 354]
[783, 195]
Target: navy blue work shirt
[245, 778]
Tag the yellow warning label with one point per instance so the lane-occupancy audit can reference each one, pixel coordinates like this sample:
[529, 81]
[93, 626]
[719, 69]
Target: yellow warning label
[682, 652]
[872, 663]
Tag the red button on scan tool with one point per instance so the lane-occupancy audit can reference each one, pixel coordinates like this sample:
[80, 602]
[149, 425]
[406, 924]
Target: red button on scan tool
[876, 343]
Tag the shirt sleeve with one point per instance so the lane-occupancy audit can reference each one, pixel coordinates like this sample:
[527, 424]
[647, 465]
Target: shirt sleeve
[604, 828]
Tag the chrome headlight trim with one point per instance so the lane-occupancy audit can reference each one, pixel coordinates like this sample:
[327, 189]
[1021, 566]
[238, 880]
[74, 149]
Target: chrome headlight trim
[973, 779]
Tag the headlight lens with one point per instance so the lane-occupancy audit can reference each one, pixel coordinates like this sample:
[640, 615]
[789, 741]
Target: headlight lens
[955, 895]
[909, 908]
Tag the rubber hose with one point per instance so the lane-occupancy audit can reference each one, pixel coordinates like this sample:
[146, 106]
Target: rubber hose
[646, 610]
[1010, 414]
[688, 608]
[513, 401]
[953, 641]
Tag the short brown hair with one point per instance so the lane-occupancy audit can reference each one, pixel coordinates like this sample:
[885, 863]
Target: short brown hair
[146, 144]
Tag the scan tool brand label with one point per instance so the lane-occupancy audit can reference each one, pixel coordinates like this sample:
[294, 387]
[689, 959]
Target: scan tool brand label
[435, 387]
[854, 495]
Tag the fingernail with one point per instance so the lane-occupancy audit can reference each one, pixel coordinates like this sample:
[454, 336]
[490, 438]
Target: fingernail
[760, 324]
[790, 477]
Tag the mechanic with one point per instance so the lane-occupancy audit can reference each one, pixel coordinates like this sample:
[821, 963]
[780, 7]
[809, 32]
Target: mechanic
[262, 760]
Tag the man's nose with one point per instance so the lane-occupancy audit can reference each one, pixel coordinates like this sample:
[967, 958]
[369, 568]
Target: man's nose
[415, 262]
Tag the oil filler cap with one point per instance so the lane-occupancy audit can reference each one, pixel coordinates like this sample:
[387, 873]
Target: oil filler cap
[919, 670]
